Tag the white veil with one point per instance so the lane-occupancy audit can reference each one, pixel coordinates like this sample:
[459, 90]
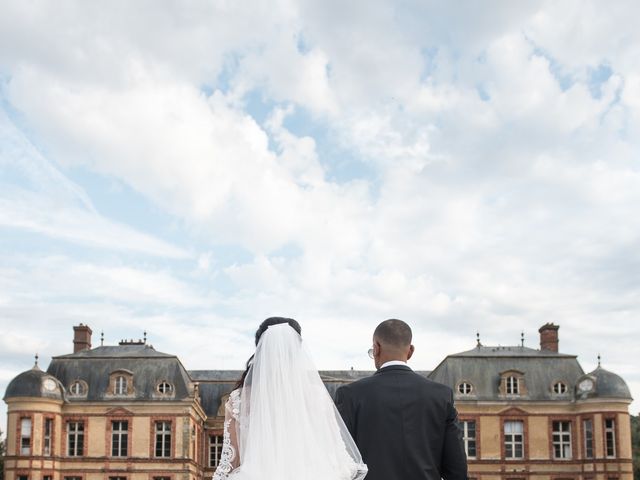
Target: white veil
[289, 428]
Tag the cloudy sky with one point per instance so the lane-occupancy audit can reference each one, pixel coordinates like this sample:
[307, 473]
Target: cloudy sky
[190, 168]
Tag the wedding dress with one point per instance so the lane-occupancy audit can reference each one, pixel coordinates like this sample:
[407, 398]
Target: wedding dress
[282, 424]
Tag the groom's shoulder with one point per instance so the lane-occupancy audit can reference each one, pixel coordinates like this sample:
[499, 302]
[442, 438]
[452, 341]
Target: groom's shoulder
[358, 384]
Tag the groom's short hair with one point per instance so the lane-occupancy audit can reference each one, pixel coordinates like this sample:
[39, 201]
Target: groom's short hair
[394, 332]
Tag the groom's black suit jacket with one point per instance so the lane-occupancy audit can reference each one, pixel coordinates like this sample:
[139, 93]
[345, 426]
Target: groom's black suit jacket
[405, 426]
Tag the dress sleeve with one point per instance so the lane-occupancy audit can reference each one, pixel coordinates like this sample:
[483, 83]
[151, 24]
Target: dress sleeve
[229, 458]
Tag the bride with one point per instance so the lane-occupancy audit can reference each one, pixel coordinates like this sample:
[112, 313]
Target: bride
[280, 421]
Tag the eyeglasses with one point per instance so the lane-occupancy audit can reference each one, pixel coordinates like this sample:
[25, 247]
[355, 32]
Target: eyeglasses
[370, 352]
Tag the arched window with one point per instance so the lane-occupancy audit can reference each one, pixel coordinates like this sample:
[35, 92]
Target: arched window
[78, 388]
[120, 385]
[465, 388]
[560, 388]
[165, 388]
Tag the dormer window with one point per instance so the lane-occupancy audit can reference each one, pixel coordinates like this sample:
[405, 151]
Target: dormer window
[120, 385]
[165, 388]
[560, 388]
[513, 386]
[512, 383]
[465, 388]
[78, 388]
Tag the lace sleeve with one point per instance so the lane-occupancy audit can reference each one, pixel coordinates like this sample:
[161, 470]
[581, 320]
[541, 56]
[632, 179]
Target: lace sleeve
[229, 458]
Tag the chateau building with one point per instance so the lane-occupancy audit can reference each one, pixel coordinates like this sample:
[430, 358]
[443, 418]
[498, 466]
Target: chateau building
[128, 412]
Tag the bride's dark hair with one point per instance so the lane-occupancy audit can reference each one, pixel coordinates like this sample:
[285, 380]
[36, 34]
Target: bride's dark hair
[261, 329]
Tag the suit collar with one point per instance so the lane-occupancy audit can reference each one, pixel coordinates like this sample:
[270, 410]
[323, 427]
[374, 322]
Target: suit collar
[393, 368]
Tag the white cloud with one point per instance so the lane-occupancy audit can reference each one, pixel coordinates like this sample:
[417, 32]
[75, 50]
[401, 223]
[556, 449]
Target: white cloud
[502, 167]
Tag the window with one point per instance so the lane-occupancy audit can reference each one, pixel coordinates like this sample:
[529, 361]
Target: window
[46, 477]
[469, 437]
[465, 388]
[75, 439]
[561, 440]
[514, 439]
[72, 478]
[610, 437]
[215, 450]
[165, 388]
[120, 386]
[25, 436]
[119, 438]
[588, 438]
[77, 388]
[163, 439]
[117, 478]
[560, 388]
[46, 438]
[23, 477]
[161, 478]
[513, 385]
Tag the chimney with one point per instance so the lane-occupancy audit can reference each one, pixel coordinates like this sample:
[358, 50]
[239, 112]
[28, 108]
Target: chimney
[81, 338]
[549, 337]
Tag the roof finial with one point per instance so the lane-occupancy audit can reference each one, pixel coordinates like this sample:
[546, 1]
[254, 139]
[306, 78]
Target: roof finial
[37, 357]
[522, 339]
[145, 336]
[478, 340]
[102, 338]
[599, 360]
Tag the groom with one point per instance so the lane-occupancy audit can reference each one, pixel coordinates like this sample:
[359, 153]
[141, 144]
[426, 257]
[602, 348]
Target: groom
[404, 425]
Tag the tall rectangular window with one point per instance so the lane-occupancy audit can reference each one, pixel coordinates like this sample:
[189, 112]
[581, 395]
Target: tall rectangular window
[46, 437]
[469, 437]
[119, 438]
[75, 439]
[215, 450]
[120, 387]
[514, 439]
[513, 386]
[610, 437]
[163, 439]
[561, 440]
[25, 436]
[587, 426]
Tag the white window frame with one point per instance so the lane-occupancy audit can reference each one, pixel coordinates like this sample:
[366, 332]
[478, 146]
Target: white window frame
[165, 388]
[120, 385]
[468, 439]
[610, 434]
[588, 437]
[162, 436]
[46, 436]
[512, 386]
[26, 433]
[120, 431]
[215, 450]
[561, 439]
[560, 388]
[511, 439]
[75, 430]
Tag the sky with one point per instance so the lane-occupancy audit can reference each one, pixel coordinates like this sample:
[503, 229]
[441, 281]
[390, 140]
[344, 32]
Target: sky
[190, 168]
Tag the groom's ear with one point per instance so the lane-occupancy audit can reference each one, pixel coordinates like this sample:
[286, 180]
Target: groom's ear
[411, 350]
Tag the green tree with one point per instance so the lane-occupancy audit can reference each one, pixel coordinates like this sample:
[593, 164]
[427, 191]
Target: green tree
[635, 442]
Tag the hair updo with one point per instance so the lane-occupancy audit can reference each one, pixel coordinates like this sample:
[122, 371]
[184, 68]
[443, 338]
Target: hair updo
[269, 322]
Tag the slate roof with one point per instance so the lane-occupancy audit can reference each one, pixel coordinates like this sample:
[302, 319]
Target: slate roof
[610, 385]
[482, 368]
[29, 384]
[149, 368]
[215, 384]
